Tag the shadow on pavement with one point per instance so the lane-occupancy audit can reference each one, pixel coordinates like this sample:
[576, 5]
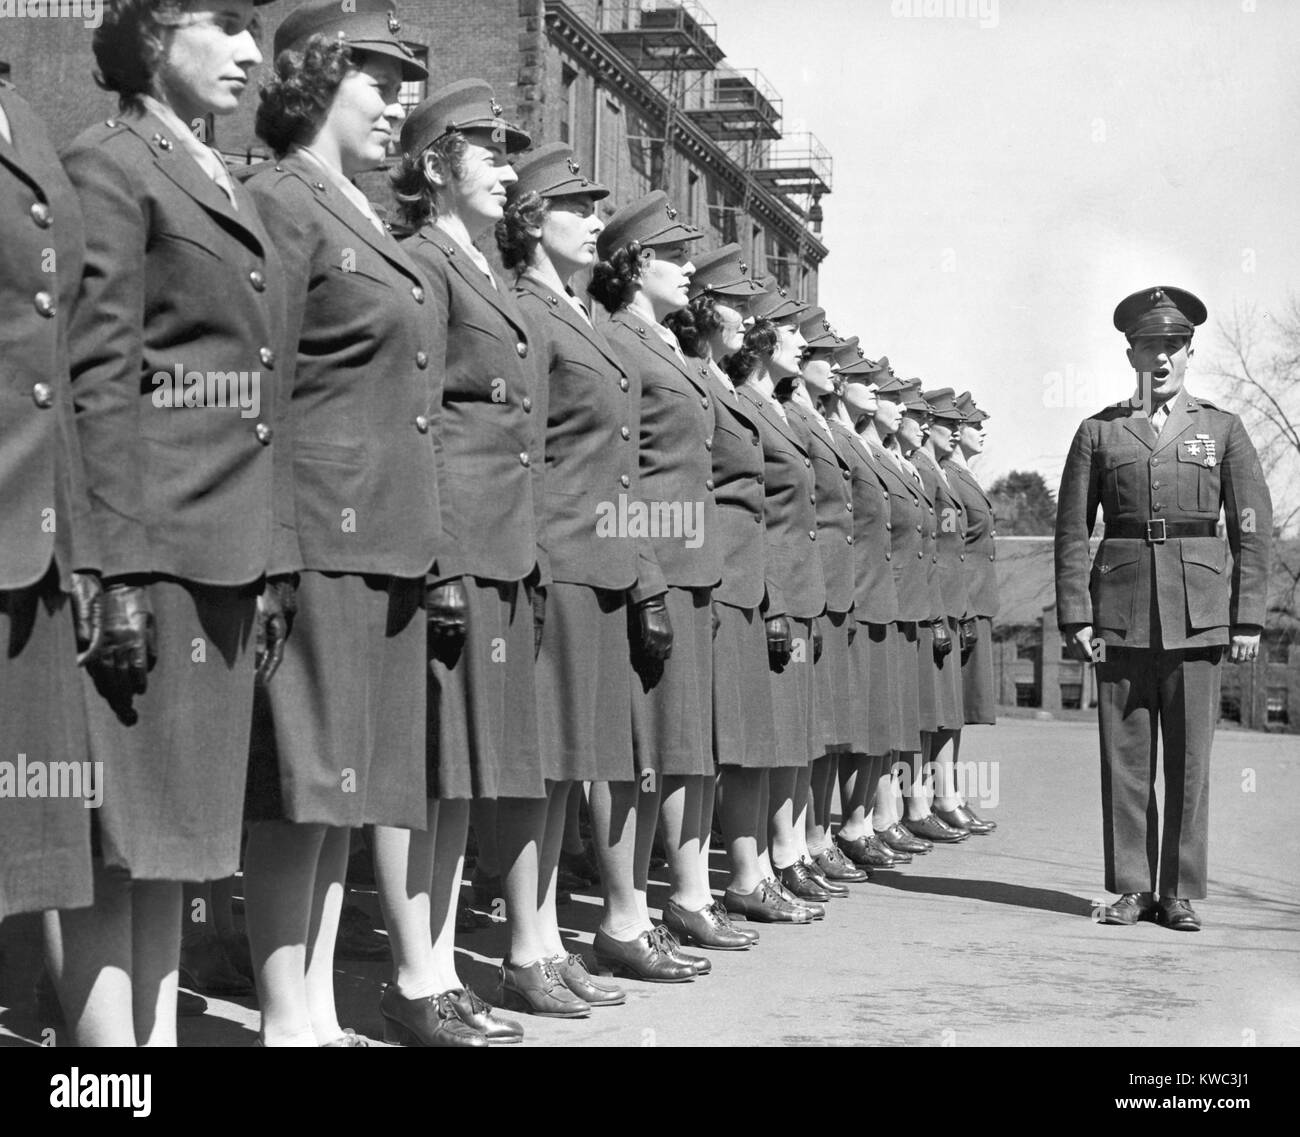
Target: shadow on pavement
[994, 891]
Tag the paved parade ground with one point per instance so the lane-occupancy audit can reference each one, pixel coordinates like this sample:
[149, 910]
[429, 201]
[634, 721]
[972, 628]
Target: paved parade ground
[985, 943]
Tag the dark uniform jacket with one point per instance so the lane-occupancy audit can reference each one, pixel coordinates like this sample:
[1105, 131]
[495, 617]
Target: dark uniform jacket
[832, 476]
[676, 465]
[42, 486]
[175, 278]
[364, 397]
[981, 546]
[795, 586]
[1183, 592]
[875, 595]
[910, 517]
[493, 431]
[738, 488]
[592, 416]
[949, 536]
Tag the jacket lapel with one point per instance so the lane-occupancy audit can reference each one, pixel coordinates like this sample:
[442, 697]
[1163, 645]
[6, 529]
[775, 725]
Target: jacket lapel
[768, 411]
[20, 155]
[501, 298]
[1179, 421]
[563, 311]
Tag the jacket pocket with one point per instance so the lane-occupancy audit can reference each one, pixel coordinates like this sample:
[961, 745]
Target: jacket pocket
[1114, 585]
[1206, 583]
[1122, 481]
[1198, 484]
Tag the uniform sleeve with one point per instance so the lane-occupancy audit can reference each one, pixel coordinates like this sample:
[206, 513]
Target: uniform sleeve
[1076, 513]
[1248, 511]
[449, 563]
[106, 347]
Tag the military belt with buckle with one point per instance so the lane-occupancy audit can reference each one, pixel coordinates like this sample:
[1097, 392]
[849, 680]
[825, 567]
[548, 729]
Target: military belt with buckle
[1157, 530]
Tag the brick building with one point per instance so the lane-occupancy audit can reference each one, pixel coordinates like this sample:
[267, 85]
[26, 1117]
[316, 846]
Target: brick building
[641, 90]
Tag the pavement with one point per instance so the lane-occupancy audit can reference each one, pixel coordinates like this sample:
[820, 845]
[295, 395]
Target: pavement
[990, 942]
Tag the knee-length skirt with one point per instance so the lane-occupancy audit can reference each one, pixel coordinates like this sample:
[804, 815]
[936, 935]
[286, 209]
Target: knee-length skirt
[338, 733]
[584, 686]
[908, 687]
[744, 733]
[482, 703]
[877, 711]
[940, 686]
[176, 758]
[794, 701]
[44, 837]
[834, 686]
[672, 699]
[979, 703]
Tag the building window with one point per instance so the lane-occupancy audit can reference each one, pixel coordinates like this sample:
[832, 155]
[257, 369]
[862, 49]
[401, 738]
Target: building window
[1071, 696]
[568, 120]
[1025, 650]
[1026, 694]
[1279, 651]
[1230, 706]
[1277, 711]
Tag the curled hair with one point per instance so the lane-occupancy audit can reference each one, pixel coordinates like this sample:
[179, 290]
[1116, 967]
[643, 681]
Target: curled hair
[694, 324]
[758, 345]
[613, 280]
[414, 193]
[523, 212]
[128, 47]
[293, 104]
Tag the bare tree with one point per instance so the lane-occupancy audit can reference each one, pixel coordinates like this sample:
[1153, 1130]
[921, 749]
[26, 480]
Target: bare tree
[1260, 379]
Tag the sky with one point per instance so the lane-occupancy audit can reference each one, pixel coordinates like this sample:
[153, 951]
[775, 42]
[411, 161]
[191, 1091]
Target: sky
[1006, 171]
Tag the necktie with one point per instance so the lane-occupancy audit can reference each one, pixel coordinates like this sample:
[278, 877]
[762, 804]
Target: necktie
[1159, 417]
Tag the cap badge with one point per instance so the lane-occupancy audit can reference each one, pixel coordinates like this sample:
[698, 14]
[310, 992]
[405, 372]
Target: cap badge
[672, 213]
[574, 167]
[394, 24]
[744, 268]
[496, 109]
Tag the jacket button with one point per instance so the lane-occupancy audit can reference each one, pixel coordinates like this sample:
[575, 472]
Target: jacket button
[527, 404]
[421, 359]
[704, 403]
[264, 433]
[1156, 506]
[888, 556]
[849, 538]
[1155, 461]
[919, 554]
[43, 395]
[417, 294]
[422, 423]
[849, 506]
[45, 304]
[267, 356]
[812, 534]
[759, 479]
[807, 462]
[708, 444]
[41, 214]
[990, 556]
[758, 518]
[624, 433]
[962, 557]
[257, 280]
[1155, 485]
[993, 533]
[885, 495]
[918, 529]
[889, 526]
[524, 460]
[623, 384]
[847, 474]
[754, 439]
[522, 349]
[812, 499]
[624, 480]
[708, 484]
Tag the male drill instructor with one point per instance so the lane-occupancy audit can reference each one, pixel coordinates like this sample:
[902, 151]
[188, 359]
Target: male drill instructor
[1163, 603]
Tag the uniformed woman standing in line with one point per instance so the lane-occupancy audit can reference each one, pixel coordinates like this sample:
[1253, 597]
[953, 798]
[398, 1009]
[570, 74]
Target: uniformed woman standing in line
[583, 691]
[182, 494]
[979, 701]
[711, 328]
[485, 598]
[643, 275]
[339, 737]
[768, 362]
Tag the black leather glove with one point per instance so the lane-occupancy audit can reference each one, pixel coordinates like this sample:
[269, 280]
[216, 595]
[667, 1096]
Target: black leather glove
[276, 608]
[778, 641]
[656, 628]
[967, 636]
[942, 640]
[816, 639]
[447, 609]
[537, 595]
[87, 617]
[128, 645]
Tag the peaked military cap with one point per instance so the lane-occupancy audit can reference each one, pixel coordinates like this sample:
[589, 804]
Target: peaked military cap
[864, 371]
[649, 221]
[847, 352]
[969, 411]
[1159, 311]
[816, 330]
[366, 25]
[723, 272]
[464, 106]
[942, 404]
[551, 171]
[912, 399]
[777, 305]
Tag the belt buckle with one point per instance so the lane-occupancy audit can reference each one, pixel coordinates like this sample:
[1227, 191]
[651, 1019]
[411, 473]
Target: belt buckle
[1154, 536]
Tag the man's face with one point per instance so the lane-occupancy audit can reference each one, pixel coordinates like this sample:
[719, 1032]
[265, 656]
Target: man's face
[1166, 357]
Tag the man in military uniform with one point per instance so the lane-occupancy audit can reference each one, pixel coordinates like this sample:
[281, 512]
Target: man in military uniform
[1163, 604]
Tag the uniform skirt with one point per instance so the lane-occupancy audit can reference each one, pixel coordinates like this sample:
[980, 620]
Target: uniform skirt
[908, 687]
[744, 733]
[794, 701]
[338, 733]
[979, 703]
[44, 839]
[672, 699]
[876, 703]
[834, 685]
[176, 757]
[584, 692]
[940, 686]
[482, 701]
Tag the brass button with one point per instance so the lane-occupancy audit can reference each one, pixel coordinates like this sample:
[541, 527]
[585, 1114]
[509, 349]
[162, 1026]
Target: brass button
[919, 554]
[962, 557]
[527, 404]
[993, 533]
[1155, 485]
[708, 484]
[624, 480]
[626, 434]
[267, 356]
[43, 395]
[849, 538]
[45, 304]
[849, 506]
[847, 474]
[422, 423]
[990, 556]
[708, 444]
[918, 529]
[754, 439]
[887, 556]
[417, 294]
[807, 462]
[889, 526]
[758, 519]
[41, 214]
[1156, 506]
[812, 499]
[1155, 461]
[760, 479]
[524, 460]
[264, 433]
[421, 359]
[257, 280]
[623, 384]
[704, 403]
[812, 534]
[522, 349]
